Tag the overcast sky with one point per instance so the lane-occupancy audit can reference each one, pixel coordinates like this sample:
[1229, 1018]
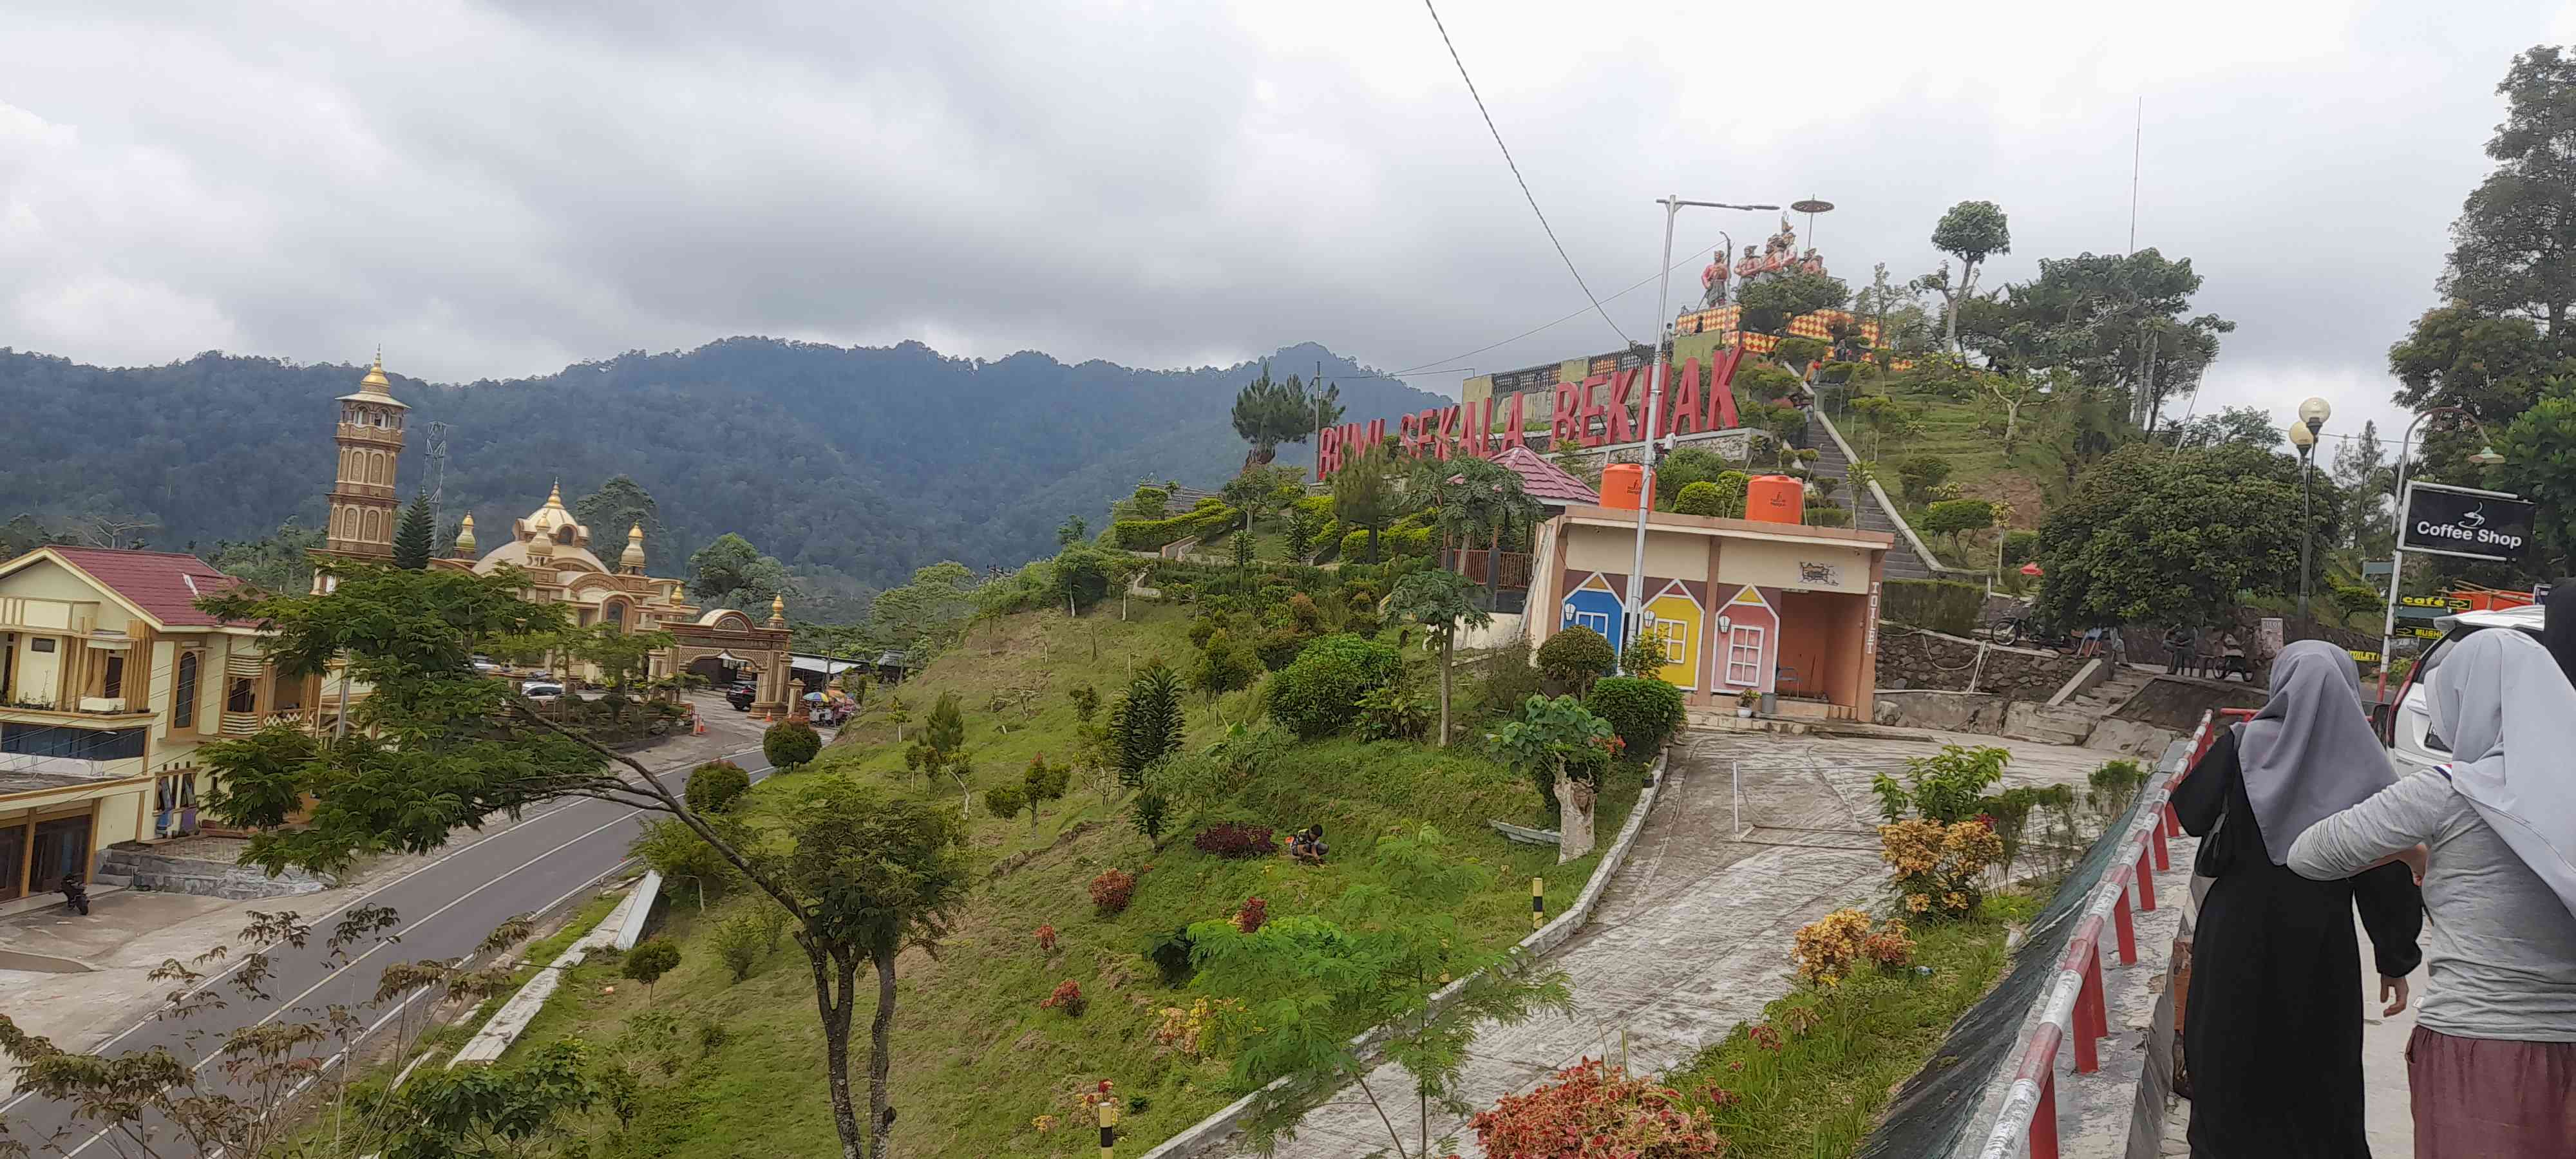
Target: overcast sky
[497, 189]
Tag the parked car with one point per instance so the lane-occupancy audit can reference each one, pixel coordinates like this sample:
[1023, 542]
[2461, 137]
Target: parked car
[739, 697]
[484, 665]
[2414, 746]
[541, 690]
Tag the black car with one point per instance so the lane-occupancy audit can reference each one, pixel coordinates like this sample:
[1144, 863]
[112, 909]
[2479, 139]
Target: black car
[739, 698]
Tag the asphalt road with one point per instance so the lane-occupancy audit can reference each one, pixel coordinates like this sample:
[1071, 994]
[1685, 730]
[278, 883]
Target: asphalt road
[447, 907]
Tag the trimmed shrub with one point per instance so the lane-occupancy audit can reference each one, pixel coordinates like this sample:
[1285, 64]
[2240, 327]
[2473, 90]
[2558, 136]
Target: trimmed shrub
[1510, 679]
[649, 960]
[1278, 647]
[1706, 498]
[1236, 841]
[1921, 473]
[1112, 890]
[790, 743]
[1941, 605]
[1829, 517]
[1320, 691]
[1952, 516]
[2021, 547]
[1645, 711]
[1209, 517]
[1576, 656]
[1005, 801]
[715, 786]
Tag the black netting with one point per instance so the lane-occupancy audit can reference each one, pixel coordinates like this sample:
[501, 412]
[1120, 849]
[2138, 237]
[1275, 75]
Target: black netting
[1940, 1105]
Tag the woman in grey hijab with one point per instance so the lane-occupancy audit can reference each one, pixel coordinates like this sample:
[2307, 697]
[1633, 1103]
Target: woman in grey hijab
[2270, 1031]
[2492, 1064]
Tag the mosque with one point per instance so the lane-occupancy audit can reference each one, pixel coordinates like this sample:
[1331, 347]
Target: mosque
[554, 550]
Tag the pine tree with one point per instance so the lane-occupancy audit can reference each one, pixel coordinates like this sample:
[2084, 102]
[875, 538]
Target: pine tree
[412, 538]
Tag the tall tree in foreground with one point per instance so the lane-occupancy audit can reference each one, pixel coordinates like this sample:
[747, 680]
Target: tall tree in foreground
[441, 748]
[416, 536]
[2153, 535]
[1442, 601]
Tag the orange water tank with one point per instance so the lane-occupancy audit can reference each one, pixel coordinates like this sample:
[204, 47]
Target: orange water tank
[1623, 485]
[1774, 499]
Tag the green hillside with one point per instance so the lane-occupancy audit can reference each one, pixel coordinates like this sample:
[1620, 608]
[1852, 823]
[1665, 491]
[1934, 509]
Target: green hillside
[977, 1060]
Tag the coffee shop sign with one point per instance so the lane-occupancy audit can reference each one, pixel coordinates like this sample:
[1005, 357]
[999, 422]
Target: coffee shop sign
[1603, 410]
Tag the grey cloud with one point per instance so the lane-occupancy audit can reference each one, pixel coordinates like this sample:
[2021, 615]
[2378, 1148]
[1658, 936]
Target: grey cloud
[497, 189]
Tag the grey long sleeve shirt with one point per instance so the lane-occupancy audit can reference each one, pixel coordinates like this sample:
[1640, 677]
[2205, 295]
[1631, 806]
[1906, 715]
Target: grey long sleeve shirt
[2503, 958]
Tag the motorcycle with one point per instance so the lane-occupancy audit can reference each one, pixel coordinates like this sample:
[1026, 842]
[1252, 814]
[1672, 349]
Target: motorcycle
[76, 894]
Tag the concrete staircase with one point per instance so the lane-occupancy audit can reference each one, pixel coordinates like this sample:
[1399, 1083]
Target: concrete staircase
[1902, 560]
[2105, 698]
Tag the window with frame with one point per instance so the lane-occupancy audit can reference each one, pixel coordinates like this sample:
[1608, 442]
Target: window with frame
[1676, 638]
[183, 692]
[1597, 621]
[1744, 656]
[240, 695]
[111, 684]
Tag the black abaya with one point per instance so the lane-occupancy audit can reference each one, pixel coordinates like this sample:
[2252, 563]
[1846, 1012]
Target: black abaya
[2272, 1032]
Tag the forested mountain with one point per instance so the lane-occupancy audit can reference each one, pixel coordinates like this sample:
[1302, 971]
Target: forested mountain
[848, 464]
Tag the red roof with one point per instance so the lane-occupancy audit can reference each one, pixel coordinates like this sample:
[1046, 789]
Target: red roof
[165, 584]
[1545, 481]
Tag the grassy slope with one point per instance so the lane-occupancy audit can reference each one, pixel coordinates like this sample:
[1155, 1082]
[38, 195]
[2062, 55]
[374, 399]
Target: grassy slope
[2029, 479]
[1269, 540]
[976, 1059]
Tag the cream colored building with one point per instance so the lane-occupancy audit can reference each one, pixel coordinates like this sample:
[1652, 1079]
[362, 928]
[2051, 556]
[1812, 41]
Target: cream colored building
[110, 678]
[550, 546]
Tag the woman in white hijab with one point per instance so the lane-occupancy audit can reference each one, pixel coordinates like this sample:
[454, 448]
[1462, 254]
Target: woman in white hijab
[2270, 1034]
[2492, 1064]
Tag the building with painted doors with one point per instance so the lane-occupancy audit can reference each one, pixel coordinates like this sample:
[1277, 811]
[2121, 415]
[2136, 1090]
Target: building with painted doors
[1740, 605]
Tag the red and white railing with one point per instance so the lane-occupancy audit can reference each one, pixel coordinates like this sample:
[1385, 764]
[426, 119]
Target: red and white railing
[2077, 1009]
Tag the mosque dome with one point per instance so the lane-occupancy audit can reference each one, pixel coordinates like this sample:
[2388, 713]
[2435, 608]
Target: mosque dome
[554, 520]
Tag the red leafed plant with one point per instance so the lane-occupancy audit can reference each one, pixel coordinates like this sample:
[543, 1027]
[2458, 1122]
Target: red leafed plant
[1254, 912]
[1596, 1111]
[1046, 939]
[1068, 998]
[1112, 890]
[1236, 841]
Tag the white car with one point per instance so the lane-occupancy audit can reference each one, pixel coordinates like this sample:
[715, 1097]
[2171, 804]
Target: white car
[2414, 747]
[541, 690]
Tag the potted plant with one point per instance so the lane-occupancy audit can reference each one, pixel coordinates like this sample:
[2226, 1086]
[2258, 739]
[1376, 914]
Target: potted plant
[1744, 702]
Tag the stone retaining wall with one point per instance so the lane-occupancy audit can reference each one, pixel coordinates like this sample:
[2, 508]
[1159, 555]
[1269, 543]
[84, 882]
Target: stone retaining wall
[202, 878]
[1912, 658]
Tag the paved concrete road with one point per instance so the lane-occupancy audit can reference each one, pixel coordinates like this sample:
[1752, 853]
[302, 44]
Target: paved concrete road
[447, 906]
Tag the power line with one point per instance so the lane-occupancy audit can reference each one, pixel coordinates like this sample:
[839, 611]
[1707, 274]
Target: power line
[1516, 173]
[1441, 365]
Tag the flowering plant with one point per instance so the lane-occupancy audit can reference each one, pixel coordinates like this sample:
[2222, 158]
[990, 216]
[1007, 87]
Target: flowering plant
[1113, 889]
[1596, 1111]
[1068, 998]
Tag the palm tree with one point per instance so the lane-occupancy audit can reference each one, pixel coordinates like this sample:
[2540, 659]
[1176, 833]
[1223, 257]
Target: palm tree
[1479, 500]
[1365, 493]
[1438, 600]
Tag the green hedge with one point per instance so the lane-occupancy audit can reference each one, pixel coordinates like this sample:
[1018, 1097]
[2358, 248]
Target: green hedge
[1210, 516]
[1941, 605]
[1319, 691]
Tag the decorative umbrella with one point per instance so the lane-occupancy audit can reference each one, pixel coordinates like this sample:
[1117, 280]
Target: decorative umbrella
[2030, 569]
[813, 697]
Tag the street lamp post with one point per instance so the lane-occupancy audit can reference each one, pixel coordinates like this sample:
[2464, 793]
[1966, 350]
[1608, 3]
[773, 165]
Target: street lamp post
[2486, 457]
[1633, 615]
[2303, 435]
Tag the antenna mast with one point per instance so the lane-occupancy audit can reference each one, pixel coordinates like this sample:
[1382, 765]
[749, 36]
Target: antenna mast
[437, 450]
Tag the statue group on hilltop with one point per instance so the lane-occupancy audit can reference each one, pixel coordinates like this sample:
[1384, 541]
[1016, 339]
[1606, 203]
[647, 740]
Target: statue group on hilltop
[1778, 255]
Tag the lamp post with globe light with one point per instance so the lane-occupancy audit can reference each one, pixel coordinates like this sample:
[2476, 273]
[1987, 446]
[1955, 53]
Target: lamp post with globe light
[2303, 435]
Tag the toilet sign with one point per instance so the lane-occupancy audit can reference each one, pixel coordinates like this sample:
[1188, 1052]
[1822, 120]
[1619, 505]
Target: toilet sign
[2465, 522]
